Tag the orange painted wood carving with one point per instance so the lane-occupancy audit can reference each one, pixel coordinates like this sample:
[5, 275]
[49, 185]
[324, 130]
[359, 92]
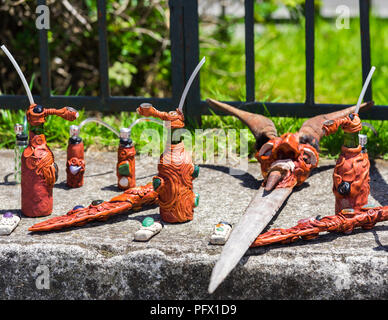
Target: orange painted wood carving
[176, 172]
[125, 168]
[38, 170]
[132, 199]
[351, 173]
[75, 164]
[307, 229]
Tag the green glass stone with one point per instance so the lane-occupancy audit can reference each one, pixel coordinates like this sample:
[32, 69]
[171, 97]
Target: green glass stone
[156, 183]
[220, 229]
[196, 199]
[196, 171]
[124, 169]
[148, 222]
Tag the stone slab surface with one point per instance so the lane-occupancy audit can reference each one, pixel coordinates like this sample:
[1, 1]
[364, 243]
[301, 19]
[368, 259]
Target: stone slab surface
[101, 260]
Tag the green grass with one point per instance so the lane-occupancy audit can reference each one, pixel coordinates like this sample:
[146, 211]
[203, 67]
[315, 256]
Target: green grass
[280, 77]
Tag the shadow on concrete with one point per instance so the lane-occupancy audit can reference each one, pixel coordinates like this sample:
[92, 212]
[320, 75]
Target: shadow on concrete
[154, 216]
[112, 187]
[62, 185]
[98, 174]
[247, 180]
[148, 176]
[377, 183]
[380, 246]
[321, 169]
[6, 180]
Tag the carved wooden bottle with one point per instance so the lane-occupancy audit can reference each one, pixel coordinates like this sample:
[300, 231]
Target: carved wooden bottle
[125, 168]
[39, 171]
[176, 171]
[351, 176]
[174, 184]
[75, 162]
[351, 173]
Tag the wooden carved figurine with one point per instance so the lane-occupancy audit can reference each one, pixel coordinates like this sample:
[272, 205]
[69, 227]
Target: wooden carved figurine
[38, 170]
[75, 163]
[351, 173]
[176, 171]
[125, 168]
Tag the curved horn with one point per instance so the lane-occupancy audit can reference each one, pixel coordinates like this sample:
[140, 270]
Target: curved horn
[262, 128]
[311, 131]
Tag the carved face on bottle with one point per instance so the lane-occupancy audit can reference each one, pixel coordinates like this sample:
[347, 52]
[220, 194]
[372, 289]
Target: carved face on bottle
[285, 162]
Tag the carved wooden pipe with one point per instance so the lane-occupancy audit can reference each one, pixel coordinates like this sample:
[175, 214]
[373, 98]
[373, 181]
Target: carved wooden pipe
[75, 163]
[307, 229]
[351, 173]
[176, 172]
[38, 170]
[125, 168]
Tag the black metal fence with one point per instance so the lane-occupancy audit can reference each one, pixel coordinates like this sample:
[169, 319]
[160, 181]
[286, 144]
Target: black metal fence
[184, 58]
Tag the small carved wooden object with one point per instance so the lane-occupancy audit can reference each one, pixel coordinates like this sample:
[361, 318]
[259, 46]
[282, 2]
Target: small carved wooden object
[176, 172]
[351, 173]
[125, 168]
[39, 172]
[75, 163]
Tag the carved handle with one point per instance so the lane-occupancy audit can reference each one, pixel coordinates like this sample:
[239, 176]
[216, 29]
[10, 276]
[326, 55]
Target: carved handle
[36, 114]
[350, 124]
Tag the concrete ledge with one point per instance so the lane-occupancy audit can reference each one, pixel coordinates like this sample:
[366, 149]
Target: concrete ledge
[100, 260]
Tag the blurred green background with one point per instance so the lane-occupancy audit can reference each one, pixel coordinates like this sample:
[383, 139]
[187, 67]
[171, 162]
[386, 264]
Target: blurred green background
[139, 49]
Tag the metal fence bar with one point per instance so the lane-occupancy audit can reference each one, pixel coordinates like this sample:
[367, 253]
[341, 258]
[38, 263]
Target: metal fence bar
[192, 108]
[365, 44]
[177, 37]
[310, 54]
[44, 61]
[249, 50]
[103, 53]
